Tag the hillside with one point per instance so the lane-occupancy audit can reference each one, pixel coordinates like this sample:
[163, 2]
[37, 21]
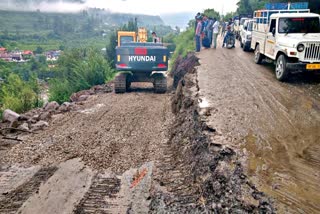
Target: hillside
[91, 27]
[177, 19]
[29, 22]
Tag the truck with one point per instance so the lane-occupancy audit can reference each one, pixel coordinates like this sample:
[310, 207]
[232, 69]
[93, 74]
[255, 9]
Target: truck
[239, 21]
[246, 35]
[288, 36]
[140, 61]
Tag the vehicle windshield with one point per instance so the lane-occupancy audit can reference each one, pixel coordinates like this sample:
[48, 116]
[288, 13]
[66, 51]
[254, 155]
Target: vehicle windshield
[124, 39]
[299, 25]
[242, 21]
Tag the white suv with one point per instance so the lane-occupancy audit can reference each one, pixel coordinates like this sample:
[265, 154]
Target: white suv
[292, 40]
[246, 35]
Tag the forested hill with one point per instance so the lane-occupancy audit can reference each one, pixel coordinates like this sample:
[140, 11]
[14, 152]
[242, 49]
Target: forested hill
[92, 19]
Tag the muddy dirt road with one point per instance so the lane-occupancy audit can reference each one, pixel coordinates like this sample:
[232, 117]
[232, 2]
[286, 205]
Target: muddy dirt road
[100, 152]
[277, 125]
[126, 153]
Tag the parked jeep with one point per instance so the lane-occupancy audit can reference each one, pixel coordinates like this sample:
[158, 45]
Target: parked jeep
[290, 38]
[246, 35]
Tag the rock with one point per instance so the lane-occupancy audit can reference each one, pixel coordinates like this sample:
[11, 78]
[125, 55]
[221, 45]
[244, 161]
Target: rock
[66, 106]
[24, 118]
[98, 88]
[76, 96]
[24, 127]
[36, 117]
[45, 116]
[52, 106]
[83, 98]
[10, 116]
[39, 125]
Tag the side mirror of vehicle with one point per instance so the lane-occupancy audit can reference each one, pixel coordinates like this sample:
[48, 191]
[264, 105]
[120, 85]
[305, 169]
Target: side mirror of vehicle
[273, 31]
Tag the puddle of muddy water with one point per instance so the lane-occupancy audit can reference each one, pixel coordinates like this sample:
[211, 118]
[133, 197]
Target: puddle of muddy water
[203, 103]
[285, 176]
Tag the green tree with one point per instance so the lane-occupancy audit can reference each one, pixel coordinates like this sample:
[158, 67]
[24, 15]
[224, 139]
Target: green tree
[212, 13]
[38, 50]
[18, 95]
[111, 48]
[244, 7]
[78, 69]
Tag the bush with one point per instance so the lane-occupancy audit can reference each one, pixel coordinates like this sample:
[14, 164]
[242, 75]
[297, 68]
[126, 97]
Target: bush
[184, 44]
[18, 95]
[77, 70]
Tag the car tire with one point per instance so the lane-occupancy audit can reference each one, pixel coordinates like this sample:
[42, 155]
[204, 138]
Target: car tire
[282, 72]
[258, 57]
[245, 48]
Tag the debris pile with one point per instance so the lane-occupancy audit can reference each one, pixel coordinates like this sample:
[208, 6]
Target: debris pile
[182, 66]
[39, 118]
[214, 168]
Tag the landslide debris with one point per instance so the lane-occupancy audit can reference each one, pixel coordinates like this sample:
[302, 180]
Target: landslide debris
[119, 132]
[214, 170]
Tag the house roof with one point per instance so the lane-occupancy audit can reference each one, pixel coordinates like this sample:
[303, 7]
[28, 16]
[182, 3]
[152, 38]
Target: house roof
[27, 52]
[2, 49]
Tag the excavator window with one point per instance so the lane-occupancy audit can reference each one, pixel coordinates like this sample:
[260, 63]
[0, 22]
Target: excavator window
[124, 39]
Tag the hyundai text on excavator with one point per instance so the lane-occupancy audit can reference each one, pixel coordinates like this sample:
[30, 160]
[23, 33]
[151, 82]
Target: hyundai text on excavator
[140, 61]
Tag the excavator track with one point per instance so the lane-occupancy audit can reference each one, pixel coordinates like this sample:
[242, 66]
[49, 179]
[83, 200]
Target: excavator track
[160, 84]
[120, 83]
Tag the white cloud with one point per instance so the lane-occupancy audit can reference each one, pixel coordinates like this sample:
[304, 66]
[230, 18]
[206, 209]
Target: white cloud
[163, 6]
[149, 7]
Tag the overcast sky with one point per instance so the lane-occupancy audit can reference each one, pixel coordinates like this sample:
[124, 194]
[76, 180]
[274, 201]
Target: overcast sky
[163, 6]
[150, 7]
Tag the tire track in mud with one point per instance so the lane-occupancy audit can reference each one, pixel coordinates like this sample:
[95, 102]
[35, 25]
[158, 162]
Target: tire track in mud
[10, 202]
[278, 121]
[95, 200]
[116, 134]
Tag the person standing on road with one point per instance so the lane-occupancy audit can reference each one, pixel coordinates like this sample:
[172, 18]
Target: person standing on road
[223, 28]
[209, 29]
[215, 30]
[204, 26]
[198, 33]
[196, 23]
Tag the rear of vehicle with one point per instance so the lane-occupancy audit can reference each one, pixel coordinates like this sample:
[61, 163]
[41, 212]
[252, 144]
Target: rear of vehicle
[142, 57]
[141, 62]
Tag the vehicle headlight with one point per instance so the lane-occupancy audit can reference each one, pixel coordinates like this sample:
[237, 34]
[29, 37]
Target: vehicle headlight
[300, 47]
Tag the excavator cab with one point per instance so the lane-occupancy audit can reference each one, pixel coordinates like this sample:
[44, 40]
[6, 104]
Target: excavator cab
[125, 37]
[131, 36]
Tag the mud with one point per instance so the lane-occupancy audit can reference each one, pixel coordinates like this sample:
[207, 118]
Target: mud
[11, 201]
[276, 125]
[137, 152]
[218, 184]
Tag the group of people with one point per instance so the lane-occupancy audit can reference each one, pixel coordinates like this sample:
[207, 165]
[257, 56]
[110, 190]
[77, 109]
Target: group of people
[207, 31]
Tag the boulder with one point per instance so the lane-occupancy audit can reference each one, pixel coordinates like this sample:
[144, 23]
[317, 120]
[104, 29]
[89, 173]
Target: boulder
[36, 117]
[52, 106]
[10, 116]
[39, 125]
[24, 127]
[76, 96]
[83, 98]
[45, 116]
[66, 106]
